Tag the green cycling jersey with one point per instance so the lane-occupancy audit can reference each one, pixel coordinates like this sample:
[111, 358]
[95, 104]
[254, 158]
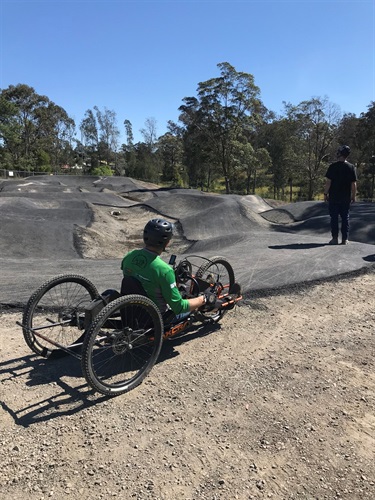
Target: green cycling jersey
[157, 278]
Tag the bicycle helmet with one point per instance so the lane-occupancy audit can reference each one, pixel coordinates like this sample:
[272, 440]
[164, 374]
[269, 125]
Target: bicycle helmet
[157, 233]
[343, 151]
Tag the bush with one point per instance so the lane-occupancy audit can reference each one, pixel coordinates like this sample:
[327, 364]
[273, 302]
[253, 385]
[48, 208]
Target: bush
[102, 170]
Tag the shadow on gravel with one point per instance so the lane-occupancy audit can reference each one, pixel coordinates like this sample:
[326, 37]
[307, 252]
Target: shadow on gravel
[168, 348]
[41, 372]
[49, 373]
[369, 258]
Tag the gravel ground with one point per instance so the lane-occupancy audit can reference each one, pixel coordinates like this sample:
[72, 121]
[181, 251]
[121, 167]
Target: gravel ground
[275, 402]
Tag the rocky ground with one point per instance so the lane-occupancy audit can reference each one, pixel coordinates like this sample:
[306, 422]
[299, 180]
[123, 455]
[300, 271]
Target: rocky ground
[277, 402]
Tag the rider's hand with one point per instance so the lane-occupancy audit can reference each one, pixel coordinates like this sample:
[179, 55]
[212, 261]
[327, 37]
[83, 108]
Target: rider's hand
[212, 302]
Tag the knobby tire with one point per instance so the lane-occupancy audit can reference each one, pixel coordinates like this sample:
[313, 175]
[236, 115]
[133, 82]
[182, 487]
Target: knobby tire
[61, 299]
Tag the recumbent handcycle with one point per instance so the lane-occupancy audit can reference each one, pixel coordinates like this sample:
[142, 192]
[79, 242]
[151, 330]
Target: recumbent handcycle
[118, 337]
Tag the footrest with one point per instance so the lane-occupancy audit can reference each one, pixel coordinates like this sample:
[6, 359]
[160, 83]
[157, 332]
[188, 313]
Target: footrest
[229, 302]
[234, 295]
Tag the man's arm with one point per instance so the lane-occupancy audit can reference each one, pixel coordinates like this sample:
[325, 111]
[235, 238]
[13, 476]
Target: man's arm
[326, 189]
[197, 302]
[353, 191]
[173, 297]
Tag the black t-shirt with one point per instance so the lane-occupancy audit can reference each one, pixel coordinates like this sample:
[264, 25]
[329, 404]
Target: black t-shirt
[341, 174]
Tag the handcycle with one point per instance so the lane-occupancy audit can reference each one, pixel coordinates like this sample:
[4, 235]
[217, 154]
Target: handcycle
[117, 337]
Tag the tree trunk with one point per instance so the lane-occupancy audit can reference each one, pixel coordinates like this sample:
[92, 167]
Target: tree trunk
[227, 185]
[311, 189]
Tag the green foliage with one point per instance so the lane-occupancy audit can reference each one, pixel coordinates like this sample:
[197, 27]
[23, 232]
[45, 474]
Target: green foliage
[170, 149]
[226, 111]
[43, 163]
[31, 123]
[103, 170]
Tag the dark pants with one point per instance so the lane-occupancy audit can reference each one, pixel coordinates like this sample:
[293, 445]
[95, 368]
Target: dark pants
[341, 209]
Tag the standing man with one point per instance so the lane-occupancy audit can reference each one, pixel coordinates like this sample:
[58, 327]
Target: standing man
[340, 190]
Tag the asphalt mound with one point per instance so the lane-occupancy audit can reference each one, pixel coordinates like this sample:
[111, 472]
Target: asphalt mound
[43, 218]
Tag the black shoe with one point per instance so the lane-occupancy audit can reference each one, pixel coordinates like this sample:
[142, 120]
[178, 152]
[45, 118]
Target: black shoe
[345, 242]
[334, 241]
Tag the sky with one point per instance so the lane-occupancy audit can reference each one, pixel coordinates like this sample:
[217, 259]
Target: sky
[141, 58]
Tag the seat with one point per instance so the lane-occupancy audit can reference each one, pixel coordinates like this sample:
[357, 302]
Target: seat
[95, 306]
[131, 285]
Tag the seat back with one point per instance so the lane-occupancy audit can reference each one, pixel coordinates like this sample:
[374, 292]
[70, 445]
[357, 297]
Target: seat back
[131, 285]
[96, 305]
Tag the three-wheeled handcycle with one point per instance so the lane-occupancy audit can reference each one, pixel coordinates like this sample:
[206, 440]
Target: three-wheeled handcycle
[118, 337]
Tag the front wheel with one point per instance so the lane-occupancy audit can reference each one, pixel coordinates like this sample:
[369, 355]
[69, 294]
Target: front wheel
[56, 311]
[122, 345]
[220, 275]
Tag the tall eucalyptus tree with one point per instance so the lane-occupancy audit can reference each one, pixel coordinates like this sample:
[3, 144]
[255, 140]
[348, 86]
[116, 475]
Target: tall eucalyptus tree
[227, 109]
[109, 132]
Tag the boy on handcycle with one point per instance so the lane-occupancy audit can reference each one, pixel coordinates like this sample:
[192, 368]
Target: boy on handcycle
[157, 278]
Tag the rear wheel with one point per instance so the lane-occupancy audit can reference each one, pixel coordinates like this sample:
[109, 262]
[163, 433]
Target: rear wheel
[56, 311]
[220, 275]
[122, 345]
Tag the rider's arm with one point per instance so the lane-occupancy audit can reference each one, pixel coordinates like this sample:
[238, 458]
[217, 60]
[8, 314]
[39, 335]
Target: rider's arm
[173, 296]
[197, 302]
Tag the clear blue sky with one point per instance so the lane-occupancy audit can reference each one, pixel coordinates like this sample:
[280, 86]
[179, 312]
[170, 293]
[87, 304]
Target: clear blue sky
[141, 58]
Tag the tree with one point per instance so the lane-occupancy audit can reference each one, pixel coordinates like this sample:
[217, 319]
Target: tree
[365, 139]
[33, 129]
[90, 139]
[227, 109]
[196, 149]
[366, 131]
[10, 133]
[149, 133]
[89, 130]
[249, 162]
[55, 134]
[26, 102]
[316, 123]
[129, 132]
[109, 132]
[147, 165]
[100, 135]
[170, 149]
